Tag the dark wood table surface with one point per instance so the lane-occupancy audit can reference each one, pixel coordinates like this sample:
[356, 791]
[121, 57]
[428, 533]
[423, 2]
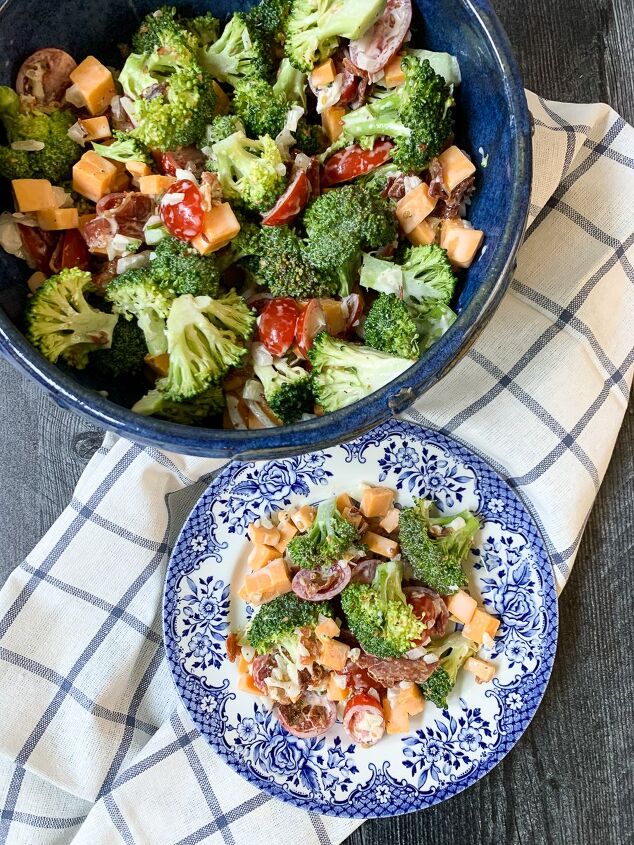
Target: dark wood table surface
[569, 780]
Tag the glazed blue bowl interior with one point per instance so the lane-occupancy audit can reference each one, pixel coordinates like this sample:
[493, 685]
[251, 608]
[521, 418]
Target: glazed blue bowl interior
[492, 117]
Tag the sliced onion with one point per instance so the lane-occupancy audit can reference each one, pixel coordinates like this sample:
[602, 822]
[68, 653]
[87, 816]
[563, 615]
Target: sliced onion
[233, 410]
[62, 199]
[261, 355]
[253, 390]
[411, 182]
[78, 134]
[329, 95]
[259, 413]
[133, 262]
[28, 145]
[75, 97]
[187, 175]
[129, 108]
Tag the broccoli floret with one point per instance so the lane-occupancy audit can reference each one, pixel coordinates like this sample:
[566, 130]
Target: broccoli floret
[156, 26]
[378, 614]
[314, 27]
[197, 411]
[124, 148]
[174, 99]
[376, 181]
[452, 651]
[309, 138]
[341, 224]
[435, 546]
[135, 294]
[180, 268]
[428, 274]
[204, 28]
[270, 17]
[291, 83]
[418, 115]
[287, 389]
[250, 171]
[22, 123]
[344, 373]
[241, 52]
[261, 109]
[279, 619]
[127, 354]
[390, 328]
[330, 537]
[221, 127]
[62, 324]
[281, 266]
[205, 340]
[425, 283]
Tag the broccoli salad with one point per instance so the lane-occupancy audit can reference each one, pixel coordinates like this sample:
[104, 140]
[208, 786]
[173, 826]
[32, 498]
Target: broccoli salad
[362, 614]
[242, 225]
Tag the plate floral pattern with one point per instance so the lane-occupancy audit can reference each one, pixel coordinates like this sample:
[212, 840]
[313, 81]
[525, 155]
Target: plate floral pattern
[447, 750]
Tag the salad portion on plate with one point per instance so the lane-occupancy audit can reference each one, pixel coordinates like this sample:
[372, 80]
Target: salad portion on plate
[358, 602]
[244, 223]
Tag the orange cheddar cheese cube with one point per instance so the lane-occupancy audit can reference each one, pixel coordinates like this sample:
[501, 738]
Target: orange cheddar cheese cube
[396, 721]
[327, 628]
[154, 185]
[390, 521]
[56, 219]
[332, 121]
[324, 74]
[333, 655]
[259, 556]
[461, 242]
[220, 226]
[394, 75]
[287, 532]
[415, 207]
[95, 83]
[456, 167]
[242, 664]
[343, 501]
[462, 606]
[376, 501]
[481, 628]
[482, 669]
[303, 518]
[94, 176]
[267, 583]
[354, 517]
[137, 169]
[335, 692]
[223, 104]
[263, 536]
[380, 545]
[96, 128]
[336, 319]
[245, 684]
[33, 194]
[159, 364]
[422, 235]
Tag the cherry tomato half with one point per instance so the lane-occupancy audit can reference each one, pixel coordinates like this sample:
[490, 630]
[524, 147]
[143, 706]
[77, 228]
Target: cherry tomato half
[292, 201]
[354, 161]
[184, 218]
[276, 325]
[311, 322]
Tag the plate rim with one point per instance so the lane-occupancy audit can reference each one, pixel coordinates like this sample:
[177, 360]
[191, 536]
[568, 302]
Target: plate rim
[421, 432]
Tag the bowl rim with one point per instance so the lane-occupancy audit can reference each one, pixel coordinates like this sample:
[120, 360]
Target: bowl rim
[352, 421]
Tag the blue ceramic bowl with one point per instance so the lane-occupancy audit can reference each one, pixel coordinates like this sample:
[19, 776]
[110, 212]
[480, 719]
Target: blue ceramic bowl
[492, 115]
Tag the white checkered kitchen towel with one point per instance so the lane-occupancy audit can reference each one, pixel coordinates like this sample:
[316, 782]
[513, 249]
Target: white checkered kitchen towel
[94, 747]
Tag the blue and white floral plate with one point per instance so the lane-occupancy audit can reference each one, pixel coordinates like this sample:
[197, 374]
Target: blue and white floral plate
[446, 751]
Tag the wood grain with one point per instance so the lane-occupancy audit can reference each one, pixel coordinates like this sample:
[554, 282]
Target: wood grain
[569, 780]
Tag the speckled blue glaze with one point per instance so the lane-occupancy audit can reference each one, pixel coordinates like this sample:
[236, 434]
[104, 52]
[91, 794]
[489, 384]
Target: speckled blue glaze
[492, 115]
